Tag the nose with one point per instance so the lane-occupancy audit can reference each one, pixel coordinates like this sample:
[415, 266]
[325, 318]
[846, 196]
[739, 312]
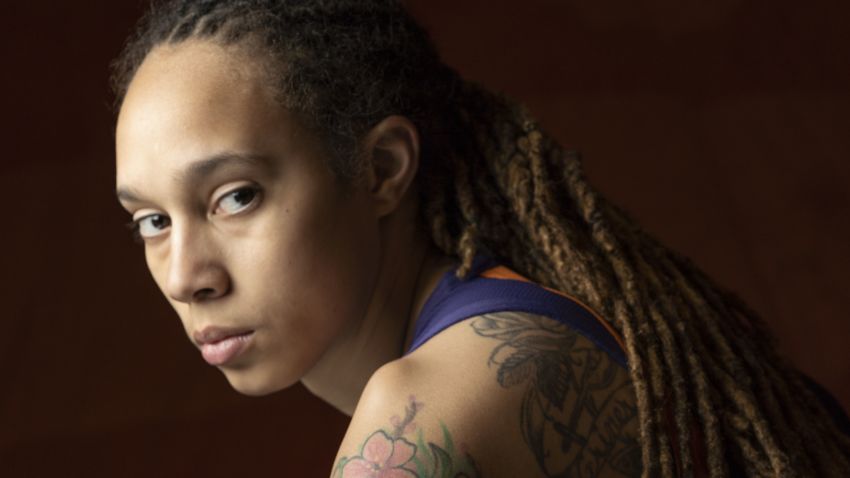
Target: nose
[195, 272]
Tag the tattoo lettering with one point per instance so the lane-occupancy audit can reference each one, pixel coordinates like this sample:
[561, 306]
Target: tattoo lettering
[392, 453]
[576, 416]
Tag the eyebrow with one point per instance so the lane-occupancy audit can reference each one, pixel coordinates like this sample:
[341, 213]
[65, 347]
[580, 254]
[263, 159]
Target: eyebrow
[200, 169]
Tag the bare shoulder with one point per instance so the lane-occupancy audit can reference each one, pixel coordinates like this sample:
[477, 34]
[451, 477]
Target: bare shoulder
[401, 428]
[497, 395]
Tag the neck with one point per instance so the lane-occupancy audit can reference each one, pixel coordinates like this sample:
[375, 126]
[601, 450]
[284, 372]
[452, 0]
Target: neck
[407, 276]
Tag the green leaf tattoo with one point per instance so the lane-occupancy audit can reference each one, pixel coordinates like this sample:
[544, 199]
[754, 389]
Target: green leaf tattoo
[389, 453]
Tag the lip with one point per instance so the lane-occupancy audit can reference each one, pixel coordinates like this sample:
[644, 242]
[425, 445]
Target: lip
[220, 345]
[211, 335]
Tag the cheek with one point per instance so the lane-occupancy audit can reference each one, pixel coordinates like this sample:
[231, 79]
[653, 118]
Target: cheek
[347, 256]
[318, 269]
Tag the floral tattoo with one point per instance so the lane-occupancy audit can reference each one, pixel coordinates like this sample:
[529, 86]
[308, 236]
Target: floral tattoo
[395, 453]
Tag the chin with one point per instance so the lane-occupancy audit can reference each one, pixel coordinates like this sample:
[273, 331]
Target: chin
[255, 384]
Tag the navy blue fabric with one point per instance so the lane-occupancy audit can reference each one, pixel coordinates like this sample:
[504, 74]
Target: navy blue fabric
[454, 300]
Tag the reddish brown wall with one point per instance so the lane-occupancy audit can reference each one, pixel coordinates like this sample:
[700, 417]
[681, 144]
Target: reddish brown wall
[722, 128]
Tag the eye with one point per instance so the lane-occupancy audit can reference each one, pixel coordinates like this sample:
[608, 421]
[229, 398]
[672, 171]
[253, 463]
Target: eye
[150, 226]
[238, 200]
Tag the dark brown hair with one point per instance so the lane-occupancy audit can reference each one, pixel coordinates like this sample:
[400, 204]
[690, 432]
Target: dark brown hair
[492, 181]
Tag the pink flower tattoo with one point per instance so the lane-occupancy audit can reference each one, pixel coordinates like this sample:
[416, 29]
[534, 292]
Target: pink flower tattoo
[381, 457]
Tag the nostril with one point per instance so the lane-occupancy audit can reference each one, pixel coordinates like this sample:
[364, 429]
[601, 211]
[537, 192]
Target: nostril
[204, 293]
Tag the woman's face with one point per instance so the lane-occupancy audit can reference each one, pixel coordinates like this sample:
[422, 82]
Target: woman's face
[246, 232]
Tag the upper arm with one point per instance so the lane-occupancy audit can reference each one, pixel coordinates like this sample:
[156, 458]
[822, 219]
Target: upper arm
[402, 429]
[501, 394]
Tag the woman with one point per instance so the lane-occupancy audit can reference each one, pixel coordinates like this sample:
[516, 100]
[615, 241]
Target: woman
[322, 200]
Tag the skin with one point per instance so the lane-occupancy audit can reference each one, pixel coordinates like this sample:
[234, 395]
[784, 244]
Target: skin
[245, 227]
[329, 278]
[518, 394]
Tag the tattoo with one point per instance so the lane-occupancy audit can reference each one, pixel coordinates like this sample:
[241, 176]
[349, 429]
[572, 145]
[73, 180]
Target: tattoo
[577, 416]
[392, 453]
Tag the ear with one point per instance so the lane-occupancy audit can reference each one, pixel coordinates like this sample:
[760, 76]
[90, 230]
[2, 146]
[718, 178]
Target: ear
[391, 152]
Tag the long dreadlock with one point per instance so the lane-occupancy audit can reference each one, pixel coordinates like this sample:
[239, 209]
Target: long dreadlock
[492, 181]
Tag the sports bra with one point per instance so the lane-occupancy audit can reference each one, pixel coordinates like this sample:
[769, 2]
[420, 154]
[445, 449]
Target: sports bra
[491, 287]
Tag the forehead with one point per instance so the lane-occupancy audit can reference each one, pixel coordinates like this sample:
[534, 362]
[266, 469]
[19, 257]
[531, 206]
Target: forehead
[195, 99]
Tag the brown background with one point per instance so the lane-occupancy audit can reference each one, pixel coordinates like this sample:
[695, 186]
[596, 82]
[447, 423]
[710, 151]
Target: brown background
[723, 126]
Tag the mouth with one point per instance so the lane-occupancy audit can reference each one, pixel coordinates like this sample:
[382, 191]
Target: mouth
[219, 346]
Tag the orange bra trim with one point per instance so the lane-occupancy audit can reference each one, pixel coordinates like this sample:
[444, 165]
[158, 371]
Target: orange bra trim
[502, 272]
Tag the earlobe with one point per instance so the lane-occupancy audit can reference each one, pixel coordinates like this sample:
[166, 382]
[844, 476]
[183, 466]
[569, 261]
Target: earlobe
[392, 153]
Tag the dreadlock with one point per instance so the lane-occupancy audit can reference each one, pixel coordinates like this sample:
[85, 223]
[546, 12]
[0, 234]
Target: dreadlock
[492, 181]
